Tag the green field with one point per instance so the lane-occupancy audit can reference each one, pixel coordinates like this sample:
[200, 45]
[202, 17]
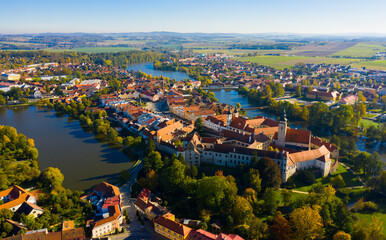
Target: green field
[94, 49]
[376, 65]
[282, 62]
[348, 177]
[103, 49]
[381, 214]
[362, 50]
[367, 123]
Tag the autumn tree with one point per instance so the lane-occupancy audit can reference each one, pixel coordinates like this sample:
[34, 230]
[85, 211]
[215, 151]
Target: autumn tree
[281, 228]
[342, 236]
[307, 223]
[242, 212]
[254, 179]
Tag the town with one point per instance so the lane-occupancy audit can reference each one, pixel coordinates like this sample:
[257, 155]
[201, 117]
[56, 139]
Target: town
[182, 121]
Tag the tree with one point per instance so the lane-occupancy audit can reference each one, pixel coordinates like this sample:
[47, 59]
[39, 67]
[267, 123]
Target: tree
[173, 175]
[258, 229]
[281, 228]
[153, 161]
[335, 140]
[242, 212]
[307, 223]
[53, 176]
[216, 194]
[338, 181]
[342, 236]
[2, 100]
[199, 125]
[271, 200]
[238, 105]
[287, 196]
[254, 180]
[360, 96]
[269, 173]
[298, 90]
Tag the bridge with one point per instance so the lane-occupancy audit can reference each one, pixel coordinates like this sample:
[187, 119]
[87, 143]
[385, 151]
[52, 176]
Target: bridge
[255, 108]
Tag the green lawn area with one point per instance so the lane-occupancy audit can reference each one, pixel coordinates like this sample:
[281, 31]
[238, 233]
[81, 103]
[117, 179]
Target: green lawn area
[362, 50]
[282, 62]
[348, 177]
[367, 123]
[376, 65]
[381, 214]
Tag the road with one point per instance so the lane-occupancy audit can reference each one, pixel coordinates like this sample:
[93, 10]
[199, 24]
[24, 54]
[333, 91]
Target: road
[134, 230]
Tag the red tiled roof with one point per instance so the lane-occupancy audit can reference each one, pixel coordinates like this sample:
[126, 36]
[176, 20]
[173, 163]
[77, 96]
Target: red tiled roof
[173, 225]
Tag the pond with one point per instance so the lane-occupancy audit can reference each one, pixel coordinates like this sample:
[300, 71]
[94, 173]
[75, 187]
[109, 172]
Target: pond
[64, 144]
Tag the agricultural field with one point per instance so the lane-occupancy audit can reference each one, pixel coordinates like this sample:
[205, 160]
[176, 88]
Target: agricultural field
[239, 52]
[362, 50]
[320, 49]
[101, 49]
[282, 62]
[375, 65]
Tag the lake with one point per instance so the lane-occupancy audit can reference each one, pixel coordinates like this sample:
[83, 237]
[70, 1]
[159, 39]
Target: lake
[62, 143]
[148, 69]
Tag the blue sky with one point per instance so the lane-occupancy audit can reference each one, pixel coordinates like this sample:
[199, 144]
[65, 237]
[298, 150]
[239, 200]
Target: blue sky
[237, 16]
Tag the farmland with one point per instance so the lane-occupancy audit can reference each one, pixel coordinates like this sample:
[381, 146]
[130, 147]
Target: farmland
[376, 65]
[282, 62]
[94, 49]
[320, 49]
[362, 50]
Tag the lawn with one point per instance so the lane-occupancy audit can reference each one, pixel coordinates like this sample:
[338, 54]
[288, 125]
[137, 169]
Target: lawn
[348, 177]
[381, 214]
[367, 123]
[362, 50]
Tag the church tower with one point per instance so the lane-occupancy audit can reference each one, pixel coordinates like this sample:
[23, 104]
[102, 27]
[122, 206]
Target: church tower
[282, 131]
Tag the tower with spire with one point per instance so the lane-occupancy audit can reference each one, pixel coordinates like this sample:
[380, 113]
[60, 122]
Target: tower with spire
[282, 132]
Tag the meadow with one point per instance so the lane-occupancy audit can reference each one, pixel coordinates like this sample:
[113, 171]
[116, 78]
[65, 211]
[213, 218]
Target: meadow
[376, 65]
[282, 62]
[362, 49]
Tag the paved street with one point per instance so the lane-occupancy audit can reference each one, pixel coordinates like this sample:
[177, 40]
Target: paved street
[134, 230]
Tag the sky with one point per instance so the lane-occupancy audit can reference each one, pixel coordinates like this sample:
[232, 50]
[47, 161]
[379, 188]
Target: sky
[206, 16]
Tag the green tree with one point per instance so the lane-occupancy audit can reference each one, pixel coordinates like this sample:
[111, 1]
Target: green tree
[254, 179]
[337, 182]
[271, 200]
[216, 194]
[53, 177]
[269, 173]
[153, 161]
[342, 236]
[199, 126]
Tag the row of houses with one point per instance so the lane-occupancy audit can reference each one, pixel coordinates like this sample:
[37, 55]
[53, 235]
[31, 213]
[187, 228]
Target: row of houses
[166, 224]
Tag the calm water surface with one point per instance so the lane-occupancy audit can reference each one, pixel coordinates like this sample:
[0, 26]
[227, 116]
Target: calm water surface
[62, 143]
[148, 69]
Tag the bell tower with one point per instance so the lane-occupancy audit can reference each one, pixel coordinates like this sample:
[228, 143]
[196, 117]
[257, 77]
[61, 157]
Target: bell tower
[282, 131]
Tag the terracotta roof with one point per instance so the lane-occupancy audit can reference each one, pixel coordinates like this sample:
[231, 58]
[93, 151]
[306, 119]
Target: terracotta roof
[108, 189]
[22, 198]
[223, 236]
[144, 194]
[297, 136]
[173, 225]
[75, 233]
[319, 154]
[114, 215]
[201, 235]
